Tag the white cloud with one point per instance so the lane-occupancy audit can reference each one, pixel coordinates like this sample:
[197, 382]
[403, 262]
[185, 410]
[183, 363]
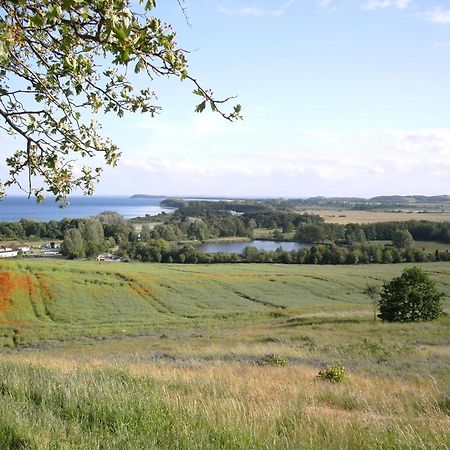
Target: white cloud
[256, 11]
[435, 140]
[324, 135]
[420, 159]
[325, 4]
[384, 4]
[438, 15]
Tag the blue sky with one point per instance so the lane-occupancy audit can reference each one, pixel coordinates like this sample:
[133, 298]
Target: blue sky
[340, 98]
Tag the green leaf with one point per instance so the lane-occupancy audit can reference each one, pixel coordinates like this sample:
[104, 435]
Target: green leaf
[200, 107]
[3, 53]
[37, 20]
[120, 34]
[39, 198]
[125, 56]
[139, 66]
[150, 4]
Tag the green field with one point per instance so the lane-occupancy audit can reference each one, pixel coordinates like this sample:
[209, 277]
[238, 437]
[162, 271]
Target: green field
[66, 300]
[131, 356]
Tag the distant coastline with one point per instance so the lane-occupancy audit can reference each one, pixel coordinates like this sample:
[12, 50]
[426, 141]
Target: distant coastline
[148, 196]
[15, 208]
[381, 199]
[190, 197]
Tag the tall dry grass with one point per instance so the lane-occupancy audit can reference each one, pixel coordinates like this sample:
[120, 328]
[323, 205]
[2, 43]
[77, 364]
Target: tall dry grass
[104, 404]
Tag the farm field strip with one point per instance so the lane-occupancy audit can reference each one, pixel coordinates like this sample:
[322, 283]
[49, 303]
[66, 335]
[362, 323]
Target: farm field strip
[344, 216]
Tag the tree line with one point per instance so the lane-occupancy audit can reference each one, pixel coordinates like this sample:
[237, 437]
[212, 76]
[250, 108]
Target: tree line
[354, 232]
[239, 218]
[160, 250]
[330, 243]
[309, 228]
[81, 237]
[197, 224]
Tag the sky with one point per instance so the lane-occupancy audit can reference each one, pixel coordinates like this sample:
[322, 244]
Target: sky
[339, 97]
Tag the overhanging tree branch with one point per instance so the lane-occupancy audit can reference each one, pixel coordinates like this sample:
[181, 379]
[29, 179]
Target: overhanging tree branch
[50, 75]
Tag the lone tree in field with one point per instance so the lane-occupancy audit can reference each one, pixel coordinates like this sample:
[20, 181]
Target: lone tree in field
[61, 61]
[373, 292]
[411, 297]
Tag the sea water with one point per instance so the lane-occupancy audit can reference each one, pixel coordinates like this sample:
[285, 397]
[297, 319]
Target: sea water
[14, 208]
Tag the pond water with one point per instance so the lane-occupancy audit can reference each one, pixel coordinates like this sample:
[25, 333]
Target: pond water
[238, 247]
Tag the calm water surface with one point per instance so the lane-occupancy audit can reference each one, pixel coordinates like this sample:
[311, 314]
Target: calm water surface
[13, 208]
[238, 247]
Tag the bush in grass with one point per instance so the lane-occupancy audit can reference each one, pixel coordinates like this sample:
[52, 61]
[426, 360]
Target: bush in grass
[411, 297]
[335, 374]
[271, 360]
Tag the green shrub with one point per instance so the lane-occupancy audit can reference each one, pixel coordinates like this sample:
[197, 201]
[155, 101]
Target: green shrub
[335, 374]
[411, 297]
[271, 360]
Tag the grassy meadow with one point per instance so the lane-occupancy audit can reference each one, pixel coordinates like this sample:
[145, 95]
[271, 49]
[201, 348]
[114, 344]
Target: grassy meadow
[131, 356]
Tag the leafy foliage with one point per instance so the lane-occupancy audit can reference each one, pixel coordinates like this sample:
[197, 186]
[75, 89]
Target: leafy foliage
[402, 239]
[73, 245]
[272, 360]
[335, 374]
[61, 62]
[413, 296]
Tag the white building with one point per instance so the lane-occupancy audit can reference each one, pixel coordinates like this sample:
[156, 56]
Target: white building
[6, 252]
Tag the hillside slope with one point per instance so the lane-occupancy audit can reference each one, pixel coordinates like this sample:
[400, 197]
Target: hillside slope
[60, 300]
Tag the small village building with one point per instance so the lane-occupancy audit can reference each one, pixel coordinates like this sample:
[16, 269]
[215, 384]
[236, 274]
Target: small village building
[6, 252]
[108, 257]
